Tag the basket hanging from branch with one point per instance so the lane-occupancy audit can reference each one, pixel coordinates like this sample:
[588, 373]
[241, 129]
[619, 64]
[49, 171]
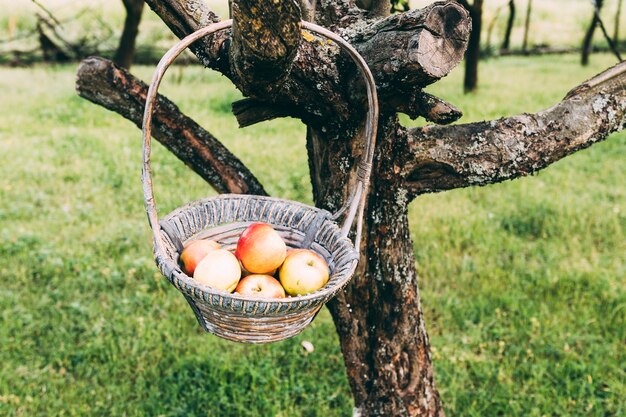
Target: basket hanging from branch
[223, 218]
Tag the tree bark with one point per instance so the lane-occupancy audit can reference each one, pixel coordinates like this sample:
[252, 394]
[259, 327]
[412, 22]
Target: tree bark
[126, 50]
[262, 54]
[376, 8]
[446, 157]
[506, 42]
[413, 49]
[431, 108]
[378, 317]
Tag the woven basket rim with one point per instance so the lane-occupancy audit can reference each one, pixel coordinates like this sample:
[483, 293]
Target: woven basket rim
[324, 292]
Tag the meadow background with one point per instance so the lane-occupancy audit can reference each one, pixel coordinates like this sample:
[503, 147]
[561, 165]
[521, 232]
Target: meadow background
[523, 283]
[555, 23]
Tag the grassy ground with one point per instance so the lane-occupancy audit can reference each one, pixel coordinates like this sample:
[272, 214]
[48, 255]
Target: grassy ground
[523, 283]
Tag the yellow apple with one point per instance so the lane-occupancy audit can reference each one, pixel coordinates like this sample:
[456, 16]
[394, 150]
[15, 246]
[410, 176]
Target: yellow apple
[303, 272]
[259, 285]
[194, 251]
[260, 249]
[219, 269]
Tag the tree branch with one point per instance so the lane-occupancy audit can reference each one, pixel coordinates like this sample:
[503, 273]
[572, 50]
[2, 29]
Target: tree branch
[186, 16]
[250, 111]
[415, 48]
[431, 108]
[104, 83]
[335, 14]
[317, 94]
[406, 51]
[447, 157]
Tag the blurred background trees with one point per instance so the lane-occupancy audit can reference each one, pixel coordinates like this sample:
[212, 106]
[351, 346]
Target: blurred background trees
[61, 30]
[126, 50]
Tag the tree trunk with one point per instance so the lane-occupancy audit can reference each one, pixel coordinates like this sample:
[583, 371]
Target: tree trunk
[125, 52]
[472, 56]
[506, 42]
[378, 316]
[588, 39]
[529, 9]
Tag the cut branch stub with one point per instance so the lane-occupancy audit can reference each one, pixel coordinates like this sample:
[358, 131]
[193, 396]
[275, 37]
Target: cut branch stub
[427, 106]
[265, 40]
[104, 83]
[447, 157]
[415, 48]
[249, 111]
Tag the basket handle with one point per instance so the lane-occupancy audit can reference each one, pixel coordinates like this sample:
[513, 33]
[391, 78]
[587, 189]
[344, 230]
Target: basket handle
[355, 206]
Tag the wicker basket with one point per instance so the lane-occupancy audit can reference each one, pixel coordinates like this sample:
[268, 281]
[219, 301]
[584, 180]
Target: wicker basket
[223, 218]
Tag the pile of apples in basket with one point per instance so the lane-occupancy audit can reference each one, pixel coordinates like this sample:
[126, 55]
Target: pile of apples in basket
[252, 271]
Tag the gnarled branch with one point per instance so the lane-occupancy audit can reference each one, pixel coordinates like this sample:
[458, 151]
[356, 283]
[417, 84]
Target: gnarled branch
[102, 82]
[406, 52]
[447, 157]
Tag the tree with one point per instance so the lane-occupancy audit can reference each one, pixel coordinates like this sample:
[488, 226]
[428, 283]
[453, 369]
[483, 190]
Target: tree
[472, 56]
[529, 9]
[587, 41]
[125, 52]
[506, 42]
[378, 317]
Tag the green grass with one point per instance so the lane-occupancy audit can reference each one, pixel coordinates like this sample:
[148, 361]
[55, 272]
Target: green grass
[522, 282]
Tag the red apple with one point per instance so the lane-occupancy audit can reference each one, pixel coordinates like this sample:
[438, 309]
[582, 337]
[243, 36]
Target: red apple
[261, 249]
[259, 285]
[303, 272]
[219, 269]
[194, 252]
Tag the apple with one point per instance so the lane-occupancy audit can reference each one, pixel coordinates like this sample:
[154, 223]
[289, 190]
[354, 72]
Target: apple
[303, 272]
[260, 285]
[194, 251]
[260, 249]
[219, 269]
